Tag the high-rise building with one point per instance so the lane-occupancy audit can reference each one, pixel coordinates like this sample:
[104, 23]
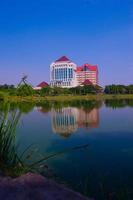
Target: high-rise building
[87, 72]
[63, 73]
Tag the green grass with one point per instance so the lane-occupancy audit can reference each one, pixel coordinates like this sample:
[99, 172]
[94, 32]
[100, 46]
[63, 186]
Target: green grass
[9, 160]
[3, 96]
[63, 98]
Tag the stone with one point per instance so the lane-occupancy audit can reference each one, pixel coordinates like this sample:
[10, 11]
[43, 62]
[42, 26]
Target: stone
[35, 187]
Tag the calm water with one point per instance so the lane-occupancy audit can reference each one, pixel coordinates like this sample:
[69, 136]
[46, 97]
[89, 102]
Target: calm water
[104, 170]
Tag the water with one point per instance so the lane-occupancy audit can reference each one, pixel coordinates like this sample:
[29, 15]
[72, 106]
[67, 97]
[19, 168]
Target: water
[104, 170]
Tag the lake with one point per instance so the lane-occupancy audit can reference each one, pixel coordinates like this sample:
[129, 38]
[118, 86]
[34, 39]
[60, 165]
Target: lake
[103, 170]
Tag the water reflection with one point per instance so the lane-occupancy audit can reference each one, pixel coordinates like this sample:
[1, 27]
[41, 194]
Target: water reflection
[66, 121]
[46, 106]
[41, 109]
[119, 103]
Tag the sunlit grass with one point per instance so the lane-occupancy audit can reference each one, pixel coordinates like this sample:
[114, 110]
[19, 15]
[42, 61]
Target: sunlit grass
[3, 96]
[69, 98]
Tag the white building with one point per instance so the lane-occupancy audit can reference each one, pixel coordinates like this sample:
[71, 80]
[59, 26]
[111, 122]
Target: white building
[63, 73]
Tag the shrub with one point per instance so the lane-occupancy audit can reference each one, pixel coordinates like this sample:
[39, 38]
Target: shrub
[45, 91]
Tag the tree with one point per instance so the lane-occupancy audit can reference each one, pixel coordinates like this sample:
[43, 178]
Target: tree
[118, 89]
[130, 89]
[25, 90]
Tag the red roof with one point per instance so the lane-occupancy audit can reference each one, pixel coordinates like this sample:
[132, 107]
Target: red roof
[90, 67]
[79, 69]
[43, 84]
[87, 82]
[62, 59]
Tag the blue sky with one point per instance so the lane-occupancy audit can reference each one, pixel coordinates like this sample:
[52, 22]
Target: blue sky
[33, 33]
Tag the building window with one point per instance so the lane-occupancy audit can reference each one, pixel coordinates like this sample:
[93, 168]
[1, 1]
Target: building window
[70, 73]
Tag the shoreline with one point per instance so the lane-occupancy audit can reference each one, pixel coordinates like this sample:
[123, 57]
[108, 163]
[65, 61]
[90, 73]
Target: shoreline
[35, 186]
[68, 98]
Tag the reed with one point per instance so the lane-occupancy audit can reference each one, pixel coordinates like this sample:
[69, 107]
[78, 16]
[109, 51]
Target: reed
[9, 159]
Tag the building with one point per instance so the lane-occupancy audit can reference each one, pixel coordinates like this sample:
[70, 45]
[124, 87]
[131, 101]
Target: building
[87, 75]
[41, 85]
[63, 73]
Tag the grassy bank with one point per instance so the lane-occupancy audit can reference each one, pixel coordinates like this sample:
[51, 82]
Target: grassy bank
[62, 98]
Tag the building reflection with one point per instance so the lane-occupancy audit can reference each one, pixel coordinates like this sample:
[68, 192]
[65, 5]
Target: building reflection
[88, 119]
[65, 121]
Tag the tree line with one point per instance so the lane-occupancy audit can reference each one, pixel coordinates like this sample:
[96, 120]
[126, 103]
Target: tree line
[88, 89]
[27, 90]
[118, 89]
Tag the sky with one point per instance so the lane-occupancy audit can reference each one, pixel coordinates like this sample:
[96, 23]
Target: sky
[34, 33]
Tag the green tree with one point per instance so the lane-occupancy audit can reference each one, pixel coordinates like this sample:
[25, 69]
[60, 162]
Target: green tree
[115, 89]
[130, 89]
[25, 90]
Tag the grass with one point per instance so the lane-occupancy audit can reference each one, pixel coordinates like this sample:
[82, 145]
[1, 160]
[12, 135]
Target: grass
[8, 157]
[68, 98]
[3, 96]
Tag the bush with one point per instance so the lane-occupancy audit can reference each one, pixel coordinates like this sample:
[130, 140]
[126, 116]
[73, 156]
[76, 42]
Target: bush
[45, 91]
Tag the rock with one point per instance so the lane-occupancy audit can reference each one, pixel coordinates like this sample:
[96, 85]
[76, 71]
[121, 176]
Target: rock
[35, 187]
